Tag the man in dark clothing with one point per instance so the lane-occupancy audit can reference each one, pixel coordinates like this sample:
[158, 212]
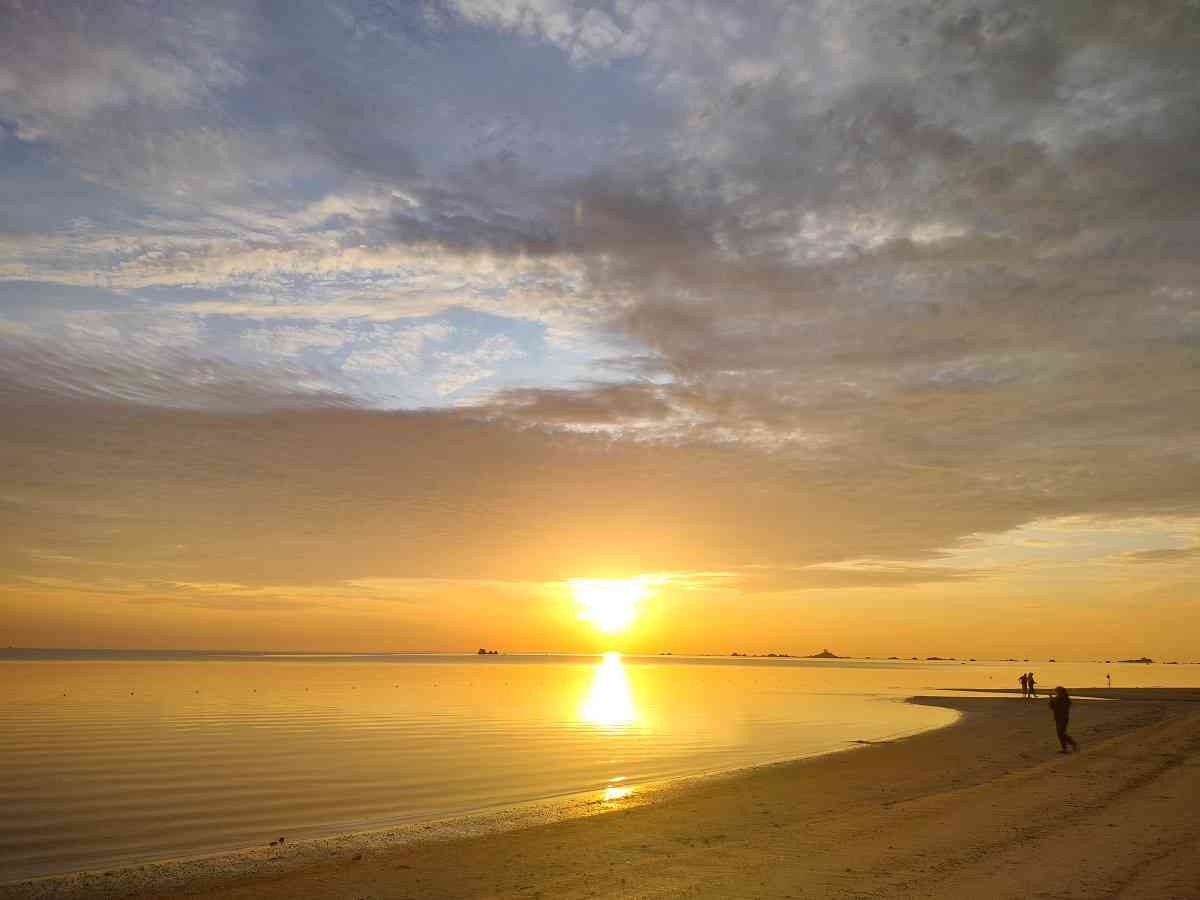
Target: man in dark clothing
[1060, 703]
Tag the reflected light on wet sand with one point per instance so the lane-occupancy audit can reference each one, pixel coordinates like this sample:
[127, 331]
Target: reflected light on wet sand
[609, 703]
[616, 793]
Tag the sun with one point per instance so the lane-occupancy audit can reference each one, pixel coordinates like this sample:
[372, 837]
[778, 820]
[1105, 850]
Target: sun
[610, 605]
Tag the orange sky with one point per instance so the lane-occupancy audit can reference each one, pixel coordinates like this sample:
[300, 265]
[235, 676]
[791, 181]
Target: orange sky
[368, 531]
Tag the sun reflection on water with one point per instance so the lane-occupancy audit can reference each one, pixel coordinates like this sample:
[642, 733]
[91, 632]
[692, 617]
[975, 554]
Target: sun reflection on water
[609, 703]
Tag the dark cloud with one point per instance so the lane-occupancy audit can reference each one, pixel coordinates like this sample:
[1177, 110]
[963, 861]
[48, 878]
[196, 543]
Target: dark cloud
[466, 222]
[605, 405]
[886, 272]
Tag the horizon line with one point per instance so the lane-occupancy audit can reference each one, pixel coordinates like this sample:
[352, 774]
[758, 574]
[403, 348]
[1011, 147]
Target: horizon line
[653, 655]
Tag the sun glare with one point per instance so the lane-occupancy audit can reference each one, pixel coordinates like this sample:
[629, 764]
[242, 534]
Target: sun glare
[610, 605]
[609, 703]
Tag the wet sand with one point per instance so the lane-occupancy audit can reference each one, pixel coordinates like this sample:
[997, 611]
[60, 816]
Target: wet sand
[984, 808]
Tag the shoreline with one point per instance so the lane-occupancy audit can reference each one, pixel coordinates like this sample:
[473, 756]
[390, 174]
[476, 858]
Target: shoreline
[462, 856]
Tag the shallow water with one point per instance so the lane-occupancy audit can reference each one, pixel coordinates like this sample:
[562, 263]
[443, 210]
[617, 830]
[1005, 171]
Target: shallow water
[115, 758]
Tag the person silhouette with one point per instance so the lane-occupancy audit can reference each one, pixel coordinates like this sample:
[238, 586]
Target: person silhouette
[1024, 679]
[1109, 677]
[1060, 704]
[1032, 685]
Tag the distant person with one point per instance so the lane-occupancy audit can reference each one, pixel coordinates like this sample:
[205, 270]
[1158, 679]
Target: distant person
[1024, 679]
[1109, 677]
[1060, 703]
[1032, 685]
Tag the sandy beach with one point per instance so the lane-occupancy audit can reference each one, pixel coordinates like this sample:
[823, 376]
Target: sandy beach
[984, 808]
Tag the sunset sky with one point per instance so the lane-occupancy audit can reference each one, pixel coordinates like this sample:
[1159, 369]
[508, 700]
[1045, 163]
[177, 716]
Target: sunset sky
[381, 325]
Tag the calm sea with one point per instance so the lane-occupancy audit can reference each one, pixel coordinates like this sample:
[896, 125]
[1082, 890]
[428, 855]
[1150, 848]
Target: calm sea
[112, 758]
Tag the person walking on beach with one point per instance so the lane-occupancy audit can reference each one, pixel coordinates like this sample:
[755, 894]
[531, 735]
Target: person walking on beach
[1024, 679]
[1032, 685]
[1060, 704]
[1109, 677]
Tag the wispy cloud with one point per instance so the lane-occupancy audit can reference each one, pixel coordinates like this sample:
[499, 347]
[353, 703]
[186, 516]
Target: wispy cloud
[1165, 555]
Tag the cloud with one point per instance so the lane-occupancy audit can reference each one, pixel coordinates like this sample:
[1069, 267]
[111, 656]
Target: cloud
[1165, 555]
[841, 575]
[42, 374]
[618, 406]
[65, 64]
[390, 349]
[191, 595]
[235, 603]
[347, 493]
[457, 370]
[589, 36]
